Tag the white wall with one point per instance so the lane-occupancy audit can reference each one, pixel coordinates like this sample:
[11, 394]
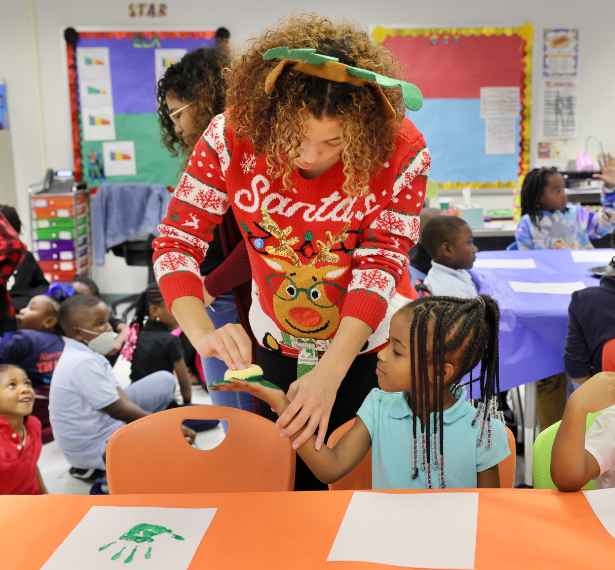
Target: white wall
[244, 19]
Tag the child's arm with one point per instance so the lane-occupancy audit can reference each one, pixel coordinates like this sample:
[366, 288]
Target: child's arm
[489, 478]
[328, 465]
[42, 490]
[523, 236]
[572, 466]
[185, 385]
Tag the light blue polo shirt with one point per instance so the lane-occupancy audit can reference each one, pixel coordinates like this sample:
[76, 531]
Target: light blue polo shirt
[447, 282]
[388, 419]
[83, 383]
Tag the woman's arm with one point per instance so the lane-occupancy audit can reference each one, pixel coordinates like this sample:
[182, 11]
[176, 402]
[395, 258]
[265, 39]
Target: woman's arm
[185, 385]
[572, 466]
[328, 465]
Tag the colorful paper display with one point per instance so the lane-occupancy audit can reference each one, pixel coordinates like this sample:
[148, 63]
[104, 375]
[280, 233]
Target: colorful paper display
[450, 67]
[119, 158]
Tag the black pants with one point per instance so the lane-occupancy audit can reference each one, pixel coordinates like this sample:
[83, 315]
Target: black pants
[359, 381]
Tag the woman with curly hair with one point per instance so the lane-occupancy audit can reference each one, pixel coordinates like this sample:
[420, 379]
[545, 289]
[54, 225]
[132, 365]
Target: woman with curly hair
[190, 94]
[327, 179]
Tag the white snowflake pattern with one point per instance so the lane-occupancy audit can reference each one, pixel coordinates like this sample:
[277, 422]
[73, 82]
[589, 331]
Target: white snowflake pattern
[414, 229]
[200, 164]
[173, 262]
[408, 196]
[209, 175]
[208, 200]
[420, 193]
[248, 164]
[203, 154]
[392, 222]
[184, 188]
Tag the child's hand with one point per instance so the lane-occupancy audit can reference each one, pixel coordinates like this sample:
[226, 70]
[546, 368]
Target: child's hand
[596, 394]
[262, 389]
[607, 167]
[189, 434]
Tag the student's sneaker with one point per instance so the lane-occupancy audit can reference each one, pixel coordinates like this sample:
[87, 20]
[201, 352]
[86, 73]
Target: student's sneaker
[87, 475]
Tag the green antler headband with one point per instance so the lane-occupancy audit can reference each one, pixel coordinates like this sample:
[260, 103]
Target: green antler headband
[311, 63]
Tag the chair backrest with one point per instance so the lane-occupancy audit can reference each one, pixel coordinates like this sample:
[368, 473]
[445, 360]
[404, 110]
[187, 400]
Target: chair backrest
[542, 455]
[508, 466]
[360, 478]
[608, 356]
[513, 246]
[151, 456]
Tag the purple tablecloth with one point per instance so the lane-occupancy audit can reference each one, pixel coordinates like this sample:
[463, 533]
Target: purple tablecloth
[533, 325]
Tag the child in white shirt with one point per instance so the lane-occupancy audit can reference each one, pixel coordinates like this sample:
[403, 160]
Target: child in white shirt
[450, 243]
[577, 457]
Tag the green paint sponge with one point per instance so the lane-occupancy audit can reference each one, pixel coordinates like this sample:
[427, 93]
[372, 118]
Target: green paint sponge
[252, 374]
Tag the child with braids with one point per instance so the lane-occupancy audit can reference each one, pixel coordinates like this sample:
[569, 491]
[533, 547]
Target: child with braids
[327, 178]
[549, 222]
[150, 345]
[423, 432]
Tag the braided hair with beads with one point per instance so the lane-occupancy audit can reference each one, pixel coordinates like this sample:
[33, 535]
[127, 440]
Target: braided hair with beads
[150, 296]
[531, 192]
[465, 331]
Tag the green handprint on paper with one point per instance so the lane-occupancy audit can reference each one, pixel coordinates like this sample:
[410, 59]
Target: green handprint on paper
[140, 533]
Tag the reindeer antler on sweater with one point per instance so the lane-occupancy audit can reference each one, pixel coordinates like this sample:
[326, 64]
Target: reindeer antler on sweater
[325, 254]
[284, 249]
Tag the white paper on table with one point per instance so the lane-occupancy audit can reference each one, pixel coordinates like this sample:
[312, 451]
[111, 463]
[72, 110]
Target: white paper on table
[407, 530]
[602, 502]
[547, 288]
[526, 263]
[592, 255]
[103, 527]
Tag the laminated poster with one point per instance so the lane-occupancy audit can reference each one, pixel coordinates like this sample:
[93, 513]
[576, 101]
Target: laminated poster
[560, 112]
[150, 538]
[560, 52]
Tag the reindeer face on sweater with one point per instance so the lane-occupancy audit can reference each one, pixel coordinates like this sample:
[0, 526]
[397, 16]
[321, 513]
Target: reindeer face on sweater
[305, 298]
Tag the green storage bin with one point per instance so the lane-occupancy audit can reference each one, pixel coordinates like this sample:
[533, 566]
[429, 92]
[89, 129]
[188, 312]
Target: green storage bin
[82, 230]
[82, 220]
[53, 223]
[54, 233]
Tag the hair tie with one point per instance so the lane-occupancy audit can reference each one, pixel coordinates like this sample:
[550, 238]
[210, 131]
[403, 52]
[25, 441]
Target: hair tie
[130, 341]
[311, 63]
[482, 301]
[60, 293]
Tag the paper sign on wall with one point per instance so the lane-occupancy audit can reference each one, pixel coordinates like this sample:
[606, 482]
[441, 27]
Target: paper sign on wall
[119, 158]
[560, 52]
[93, 62]
[98, 123]
[96, 92]
[165, 58]
[560, 108]
[149, 538]
[499, 102]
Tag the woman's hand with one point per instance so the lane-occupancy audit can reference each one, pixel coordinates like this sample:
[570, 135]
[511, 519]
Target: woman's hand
[607, 167]
[311, 399]
[189, 434]
[229, 343]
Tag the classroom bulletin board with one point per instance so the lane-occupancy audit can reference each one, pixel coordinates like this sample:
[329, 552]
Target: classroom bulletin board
[477, 89]
[112, 79]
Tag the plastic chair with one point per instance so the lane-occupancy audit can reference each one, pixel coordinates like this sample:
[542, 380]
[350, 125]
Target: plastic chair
[421, 289]
[150, 455]
[542, 455]
[360, 478]
[608, 356]
[512, 247]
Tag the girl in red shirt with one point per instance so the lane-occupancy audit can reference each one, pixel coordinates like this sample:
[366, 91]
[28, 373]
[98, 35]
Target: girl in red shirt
[20, 435]
[326, 178]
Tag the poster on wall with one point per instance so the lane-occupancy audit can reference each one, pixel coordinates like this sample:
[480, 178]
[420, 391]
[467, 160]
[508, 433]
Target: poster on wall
[560, 52]
[114, 109]
[4, 113]
[560, 111]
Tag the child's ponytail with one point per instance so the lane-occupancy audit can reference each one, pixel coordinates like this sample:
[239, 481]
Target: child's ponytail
[531, 191]
[150, 296]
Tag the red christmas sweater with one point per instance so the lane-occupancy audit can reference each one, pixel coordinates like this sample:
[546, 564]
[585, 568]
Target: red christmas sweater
[315, 258]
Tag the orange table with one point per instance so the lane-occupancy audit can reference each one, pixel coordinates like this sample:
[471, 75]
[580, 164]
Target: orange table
[517, 528]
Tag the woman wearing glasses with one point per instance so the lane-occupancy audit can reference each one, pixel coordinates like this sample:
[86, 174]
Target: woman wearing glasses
[190, 94]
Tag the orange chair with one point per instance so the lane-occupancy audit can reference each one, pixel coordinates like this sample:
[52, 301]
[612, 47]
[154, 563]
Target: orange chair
[151, 456]
[608, 356]
[360, 478]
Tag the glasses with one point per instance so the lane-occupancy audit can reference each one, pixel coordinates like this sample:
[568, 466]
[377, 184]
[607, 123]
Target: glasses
[315, 295]
[174, 116]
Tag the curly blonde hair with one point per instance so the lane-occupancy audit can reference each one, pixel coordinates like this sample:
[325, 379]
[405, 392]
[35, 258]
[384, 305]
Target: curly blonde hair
[275, 123]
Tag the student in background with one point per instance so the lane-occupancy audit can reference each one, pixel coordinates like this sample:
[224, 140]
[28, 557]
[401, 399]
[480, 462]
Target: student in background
[151, 347]
[450, 242]
[423, 432]
[37, 347]
[86, 403]
[549, 222]
[419, 256]
[12, 251]
[85, 285]
[20, 435]
[28, 279]
[577, 457]
[591, 324]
